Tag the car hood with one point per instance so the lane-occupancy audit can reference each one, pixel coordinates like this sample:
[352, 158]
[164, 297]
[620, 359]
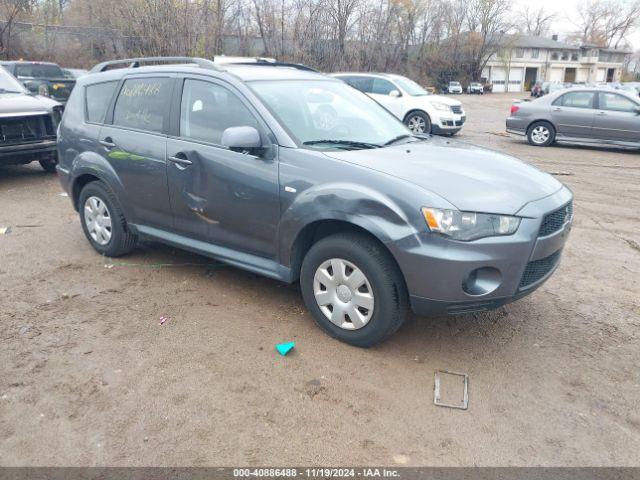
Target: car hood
[469, 177]
[20, 103]
[440, 98]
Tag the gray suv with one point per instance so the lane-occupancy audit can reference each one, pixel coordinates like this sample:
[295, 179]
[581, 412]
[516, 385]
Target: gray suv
[298, 177]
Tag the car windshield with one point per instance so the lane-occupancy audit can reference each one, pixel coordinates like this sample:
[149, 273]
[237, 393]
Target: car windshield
[8, 84]
[454, 84]
[38, 70]
[323, 114]
[411, 87]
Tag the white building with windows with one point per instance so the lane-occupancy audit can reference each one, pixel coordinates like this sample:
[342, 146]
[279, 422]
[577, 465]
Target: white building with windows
[522, 60]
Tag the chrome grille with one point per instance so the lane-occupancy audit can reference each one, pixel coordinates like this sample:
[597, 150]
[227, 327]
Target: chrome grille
[538, 269]
[554, 221]
[456, 109]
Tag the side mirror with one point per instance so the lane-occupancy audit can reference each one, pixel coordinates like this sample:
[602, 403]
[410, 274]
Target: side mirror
[241, 138]
[394, 93]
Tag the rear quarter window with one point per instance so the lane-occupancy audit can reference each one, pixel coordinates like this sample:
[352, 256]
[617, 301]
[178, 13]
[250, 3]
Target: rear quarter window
[97, 98]
[142, 103]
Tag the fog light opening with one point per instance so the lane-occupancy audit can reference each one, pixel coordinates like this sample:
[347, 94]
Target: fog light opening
[482, 281]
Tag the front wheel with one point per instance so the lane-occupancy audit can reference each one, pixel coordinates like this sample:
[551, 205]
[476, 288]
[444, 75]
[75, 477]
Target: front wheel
[354, 289]
[541, 134]
[418, 122]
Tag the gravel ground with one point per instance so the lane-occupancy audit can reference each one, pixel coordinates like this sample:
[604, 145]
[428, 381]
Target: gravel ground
[88, 376]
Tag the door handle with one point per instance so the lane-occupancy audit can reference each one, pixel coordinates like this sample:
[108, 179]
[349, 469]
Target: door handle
[602, 114]
[107, 143]
[557, 109]
[180, 161]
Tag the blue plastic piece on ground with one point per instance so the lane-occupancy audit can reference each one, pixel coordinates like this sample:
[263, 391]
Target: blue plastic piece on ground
[284, 348]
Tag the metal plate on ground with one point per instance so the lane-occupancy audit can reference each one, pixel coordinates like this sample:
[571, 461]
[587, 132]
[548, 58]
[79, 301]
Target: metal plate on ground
[463, 379]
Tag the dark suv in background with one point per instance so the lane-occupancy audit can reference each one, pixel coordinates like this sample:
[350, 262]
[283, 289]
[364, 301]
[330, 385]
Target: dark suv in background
[297, 176]
[42, 78]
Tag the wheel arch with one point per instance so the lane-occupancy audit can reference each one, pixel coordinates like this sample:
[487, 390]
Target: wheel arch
[315, 231]
[544, 120]
[416, 110]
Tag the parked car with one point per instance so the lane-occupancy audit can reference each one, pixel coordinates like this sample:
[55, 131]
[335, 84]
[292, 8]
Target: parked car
[536, 90]
[42, 78]
[585, 115]
[454, 87]
[27, 125]
[632, 88]
[550, 87]
[421, 111]
[74, 72]
[475, 87]
[369, 218]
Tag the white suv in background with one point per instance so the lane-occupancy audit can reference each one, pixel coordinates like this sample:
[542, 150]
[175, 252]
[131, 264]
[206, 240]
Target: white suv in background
[421, 111]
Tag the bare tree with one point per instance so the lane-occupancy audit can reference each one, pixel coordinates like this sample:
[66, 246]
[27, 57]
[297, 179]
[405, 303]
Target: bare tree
[607, 23]
[10, 11]
[535, 21]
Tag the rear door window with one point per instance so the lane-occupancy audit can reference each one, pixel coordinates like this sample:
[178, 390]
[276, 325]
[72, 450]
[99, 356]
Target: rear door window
[576, 100]
[382, 87]
[616, 103]
[364, 84]
[142, 103]
[97, 98]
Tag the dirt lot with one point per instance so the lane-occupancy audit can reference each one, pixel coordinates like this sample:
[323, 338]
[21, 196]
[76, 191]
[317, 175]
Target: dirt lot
[88, 376]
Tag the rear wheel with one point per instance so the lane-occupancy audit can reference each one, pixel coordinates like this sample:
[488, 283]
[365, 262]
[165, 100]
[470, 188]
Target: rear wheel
[354, 289]
[541, 134]
[103, 222]
[418, 122]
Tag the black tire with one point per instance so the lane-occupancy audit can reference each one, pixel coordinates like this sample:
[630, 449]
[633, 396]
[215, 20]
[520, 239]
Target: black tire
[418, 114]
[49, 164]
[386, 281]
[122, 241]
[536, 135]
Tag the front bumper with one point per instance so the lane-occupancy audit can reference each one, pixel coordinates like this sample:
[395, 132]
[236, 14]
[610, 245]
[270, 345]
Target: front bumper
[447, 276]
[448, 123]
[27, 152]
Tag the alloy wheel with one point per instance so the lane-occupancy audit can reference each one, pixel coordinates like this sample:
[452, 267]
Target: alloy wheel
[540, 134]
[416, 124]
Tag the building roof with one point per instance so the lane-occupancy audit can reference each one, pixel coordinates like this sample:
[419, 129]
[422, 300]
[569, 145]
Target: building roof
[519, 40]
[529, 41]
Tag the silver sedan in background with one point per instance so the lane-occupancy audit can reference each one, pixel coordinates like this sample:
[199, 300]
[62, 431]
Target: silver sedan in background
[582, 115]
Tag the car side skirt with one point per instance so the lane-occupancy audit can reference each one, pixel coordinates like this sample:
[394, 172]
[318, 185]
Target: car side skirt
[246, 261]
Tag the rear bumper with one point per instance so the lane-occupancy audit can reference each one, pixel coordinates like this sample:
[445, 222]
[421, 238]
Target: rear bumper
[517, 125]
[445, 276]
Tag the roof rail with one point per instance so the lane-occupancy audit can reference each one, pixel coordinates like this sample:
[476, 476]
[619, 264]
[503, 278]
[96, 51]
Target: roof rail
[137, 62]
[266, 63]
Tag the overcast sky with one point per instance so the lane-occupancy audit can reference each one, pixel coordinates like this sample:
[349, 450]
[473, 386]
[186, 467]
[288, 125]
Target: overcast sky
[564, 10]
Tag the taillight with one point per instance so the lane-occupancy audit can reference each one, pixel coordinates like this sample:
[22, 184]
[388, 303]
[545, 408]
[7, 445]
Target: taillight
[514, 109]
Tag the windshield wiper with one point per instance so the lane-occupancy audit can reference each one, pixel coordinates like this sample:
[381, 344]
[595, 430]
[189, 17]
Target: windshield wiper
[398, 138]
[2, 90]
[346, 143]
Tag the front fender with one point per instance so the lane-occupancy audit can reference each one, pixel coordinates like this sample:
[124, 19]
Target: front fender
[359, 205]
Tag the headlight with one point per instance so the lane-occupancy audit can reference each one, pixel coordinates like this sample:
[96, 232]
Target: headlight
[466, 226]
[440, 106]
